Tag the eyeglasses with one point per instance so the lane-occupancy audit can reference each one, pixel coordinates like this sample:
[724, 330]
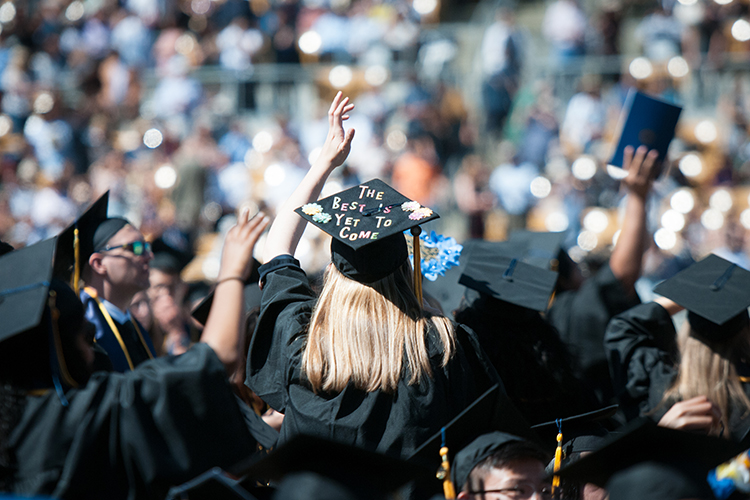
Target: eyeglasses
[520, 492]
[137, 248]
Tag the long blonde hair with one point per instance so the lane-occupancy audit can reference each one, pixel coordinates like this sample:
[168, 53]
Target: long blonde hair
[710, 369]
[360, 333]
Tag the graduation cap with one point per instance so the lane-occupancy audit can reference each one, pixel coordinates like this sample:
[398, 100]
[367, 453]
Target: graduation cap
[25, 276]
[541, 249]
[365, 472]
[214, 484]
[492, 411]
[171, 252]
[716, 294]
[646, 121]
[366, 223]
[497, 269]
[643, 441]
[27, 291]
[252, 297]
[574, 435]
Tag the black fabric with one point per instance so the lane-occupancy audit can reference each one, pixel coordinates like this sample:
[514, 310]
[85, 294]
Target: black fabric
[581, 317]
[211, 485]
[532, 361]
[311, 486]
[251, 295]
[131, 435]
[105, 231]
[372, 262]
[390, 423]
[660, 481]
[712, 331]
[642, 351]
[5, 248]
[264, 434]
[479, 449]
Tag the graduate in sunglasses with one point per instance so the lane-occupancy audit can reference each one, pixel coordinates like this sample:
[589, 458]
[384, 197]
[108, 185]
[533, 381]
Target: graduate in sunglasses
[115, 272]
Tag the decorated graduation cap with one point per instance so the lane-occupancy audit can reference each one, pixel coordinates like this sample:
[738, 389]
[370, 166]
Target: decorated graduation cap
[76, 243]
[574, 435]
[643, 441]
[366, 223]
[716, 294]
[252, 297]
[367, 473]
[214, 484]
[497, 269]
[492, 411]
[33, 307]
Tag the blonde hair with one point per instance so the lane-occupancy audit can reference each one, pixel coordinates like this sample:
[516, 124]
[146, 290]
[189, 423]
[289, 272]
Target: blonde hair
[361, 334]
[709, 369]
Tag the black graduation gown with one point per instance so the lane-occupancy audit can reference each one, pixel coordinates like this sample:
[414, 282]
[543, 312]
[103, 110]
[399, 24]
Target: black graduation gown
[132, 435]
[581, 317]
[529, 356]
[642, 349]
[395, 423]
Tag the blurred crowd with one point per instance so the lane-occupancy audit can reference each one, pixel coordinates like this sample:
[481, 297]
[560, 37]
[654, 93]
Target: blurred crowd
[100, 95]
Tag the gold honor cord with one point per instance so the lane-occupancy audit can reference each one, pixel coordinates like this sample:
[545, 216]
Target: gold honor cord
[76, 263]
[58, 344]
[114, 329]
[415, 231]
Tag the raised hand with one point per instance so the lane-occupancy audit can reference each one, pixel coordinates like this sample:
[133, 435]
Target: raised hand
[338, 142]
[642, 168]
[237, 255]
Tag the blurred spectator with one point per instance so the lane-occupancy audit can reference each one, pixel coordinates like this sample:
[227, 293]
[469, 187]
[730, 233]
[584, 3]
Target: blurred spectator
[564, 27]
[585, 117]
[660, 35]
[416, 173]
[502, 53]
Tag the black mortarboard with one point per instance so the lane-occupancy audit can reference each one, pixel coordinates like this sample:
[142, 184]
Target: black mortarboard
[492, 411]
[252, 297]
[362, 470]
[644, 441]
[716, 294]
[67, 267]
[171, 252]
[475, 452]
[366, 223]
[541, 249]
[497, 269]
[214, 484]
[106, 230]
[649, 122]
[5, 248]
[25, 276]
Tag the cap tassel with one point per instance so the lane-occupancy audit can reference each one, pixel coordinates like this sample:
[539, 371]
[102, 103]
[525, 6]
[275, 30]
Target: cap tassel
[75, 285]
[444, 472]
[415, 232]
[558, 457]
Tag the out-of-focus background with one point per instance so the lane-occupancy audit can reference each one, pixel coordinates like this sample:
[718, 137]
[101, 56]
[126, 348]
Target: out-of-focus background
[498, 115]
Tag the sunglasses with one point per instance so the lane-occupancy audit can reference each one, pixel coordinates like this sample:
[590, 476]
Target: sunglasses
[137, 248]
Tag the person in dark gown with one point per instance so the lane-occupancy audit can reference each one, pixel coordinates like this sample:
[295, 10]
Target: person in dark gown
[582, 308]
[391, 397]
[70, 434]
[695, 379]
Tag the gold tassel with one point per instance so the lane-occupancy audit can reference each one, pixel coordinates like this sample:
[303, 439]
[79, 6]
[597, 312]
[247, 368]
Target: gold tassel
[77, 264]
[415, 232]
[449, 491]
[558, 459]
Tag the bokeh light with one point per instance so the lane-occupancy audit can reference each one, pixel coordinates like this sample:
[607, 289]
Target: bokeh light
[721, 200]
[44, 103]
[678, 67]
[745, 218]
[673, 220]
[596, 221]
[310, 42]
[712, 219]
[165, 177]
[587, 240]
[396, 140]
[340, 76]
[540, 187]
[376, 75]
[7, 12]
[6, 125]
[683, 201]
[706, 131]
[584, 168]
[556, 222]
[274, 175]
[75, 11]
[665, 239]
[741, 30]
[640, 68]
[153, 138]
[425, 7]
[263, 141]
[691, 165]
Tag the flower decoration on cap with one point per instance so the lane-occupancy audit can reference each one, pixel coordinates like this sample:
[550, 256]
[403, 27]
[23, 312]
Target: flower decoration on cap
[312, 209]
[410, 206]
[439, 253]
[420, 213]
[322, 218]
